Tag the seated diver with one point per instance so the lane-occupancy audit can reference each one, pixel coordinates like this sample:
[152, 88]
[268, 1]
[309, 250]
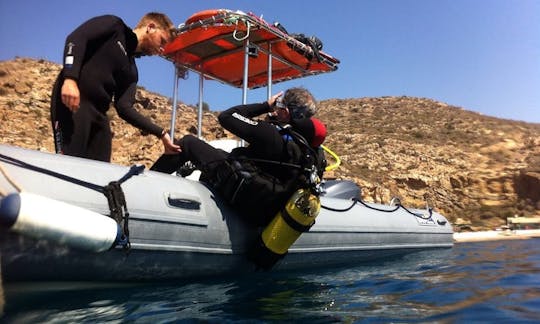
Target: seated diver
[257, 180]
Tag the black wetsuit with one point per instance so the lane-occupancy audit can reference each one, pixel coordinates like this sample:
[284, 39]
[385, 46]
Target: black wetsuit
[100, 56]
[274, 183]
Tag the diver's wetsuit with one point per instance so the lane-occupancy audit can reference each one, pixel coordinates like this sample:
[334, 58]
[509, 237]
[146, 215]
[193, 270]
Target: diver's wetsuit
[266, 142]
[100, 56]
[271, 182]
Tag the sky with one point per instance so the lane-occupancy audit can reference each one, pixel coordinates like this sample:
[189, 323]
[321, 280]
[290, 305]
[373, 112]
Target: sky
[481, 55]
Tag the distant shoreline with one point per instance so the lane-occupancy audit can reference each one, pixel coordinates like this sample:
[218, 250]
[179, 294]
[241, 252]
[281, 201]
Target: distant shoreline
[462, 237]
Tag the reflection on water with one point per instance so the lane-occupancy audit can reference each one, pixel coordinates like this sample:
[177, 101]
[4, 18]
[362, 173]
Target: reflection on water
[470, 282]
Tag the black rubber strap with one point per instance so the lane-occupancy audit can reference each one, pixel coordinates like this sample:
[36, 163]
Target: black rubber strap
[293, 223]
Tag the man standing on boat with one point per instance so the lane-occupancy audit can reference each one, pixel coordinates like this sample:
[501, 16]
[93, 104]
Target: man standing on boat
[99, 65]
[258, 179]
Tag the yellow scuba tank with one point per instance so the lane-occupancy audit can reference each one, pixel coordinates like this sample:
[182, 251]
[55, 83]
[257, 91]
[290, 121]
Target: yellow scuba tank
[295, 218]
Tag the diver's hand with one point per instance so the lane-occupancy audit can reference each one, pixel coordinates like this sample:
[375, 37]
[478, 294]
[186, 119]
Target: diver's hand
[272, 100]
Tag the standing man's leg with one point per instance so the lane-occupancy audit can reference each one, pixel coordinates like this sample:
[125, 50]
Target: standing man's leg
[71, 131]
[99, 141]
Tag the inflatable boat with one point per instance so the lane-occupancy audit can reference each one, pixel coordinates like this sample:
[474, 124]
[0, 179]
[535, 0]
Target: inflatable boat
[56, 225]
[64, 218]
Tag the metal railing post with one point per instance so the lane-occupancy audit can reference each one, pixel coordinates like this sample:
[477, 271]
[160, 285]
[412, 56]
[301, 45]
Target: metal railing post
[269, 82]
[175, 102]
[200, 112]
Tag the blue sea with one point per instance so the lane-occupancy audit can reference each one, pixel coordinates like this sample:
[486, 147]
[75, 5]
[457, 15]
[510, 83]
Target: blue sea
[483, 282]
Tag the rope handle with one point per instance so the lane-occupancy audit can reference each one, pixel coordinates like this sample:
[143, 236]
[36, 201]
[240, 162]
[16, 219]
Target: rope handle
[248, 27]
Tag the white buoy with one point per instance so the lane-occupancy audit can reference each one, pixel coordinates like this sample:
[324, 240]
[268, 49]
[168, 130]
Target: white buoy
[45, 218]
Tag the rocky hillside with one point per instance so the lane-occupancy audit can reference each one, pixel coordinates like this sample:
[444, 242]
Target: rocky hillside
[474, 169]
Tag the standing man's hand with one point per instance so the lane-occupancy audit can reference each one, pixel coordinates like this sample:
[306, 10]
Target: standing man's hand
[170, 147]
[71, 96]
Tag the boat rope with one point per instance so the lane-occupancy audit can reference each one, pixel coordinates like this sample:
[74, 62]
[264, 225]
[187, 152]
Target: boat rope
[119, 212]
[398, 206]
[10, 180]
[113, 191]
[24, 165]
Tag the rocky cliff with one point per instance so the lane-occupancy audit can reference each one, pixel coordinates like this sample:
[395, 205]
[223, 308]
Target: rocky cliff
[474, 169]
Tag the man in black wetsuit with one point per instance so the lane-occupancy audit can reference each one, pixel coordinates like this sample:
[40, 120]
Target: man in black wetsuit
[267, 166]
[99, 65]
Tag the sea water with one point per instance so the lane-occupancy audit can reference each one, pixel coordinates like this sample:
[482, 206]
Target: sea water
[483, 282]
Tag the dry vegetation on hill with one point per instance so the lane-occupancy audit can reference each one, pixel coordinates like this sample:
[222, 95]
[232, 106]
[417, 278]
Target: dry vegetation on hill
[468, 166]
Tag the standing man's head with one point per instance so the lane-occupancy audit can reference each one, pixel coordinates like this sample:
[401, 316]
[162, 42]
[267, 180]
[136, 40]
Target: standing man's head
[153, 31]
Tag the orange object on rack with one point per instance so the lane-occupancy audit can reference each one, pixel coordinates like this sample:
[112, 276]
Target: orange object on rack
[215, 42]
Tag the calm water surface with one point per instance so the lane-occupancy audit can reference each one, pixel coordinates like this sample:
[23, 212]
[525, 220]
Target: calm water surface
[471, 283]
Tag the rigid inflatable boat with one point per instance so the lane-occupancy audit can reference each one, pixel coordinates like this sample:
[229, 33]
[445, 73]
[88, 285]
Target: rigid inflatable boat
[64, 218]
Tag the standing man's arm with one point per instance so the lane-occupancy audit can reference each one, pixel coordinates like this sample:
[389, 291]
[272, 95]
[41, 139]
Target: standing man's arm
[125, 99]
